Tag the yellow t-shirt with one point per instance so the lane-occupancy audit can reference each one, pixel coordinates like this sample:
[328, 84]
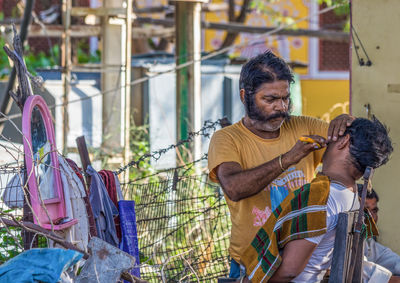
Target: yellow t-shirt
[238, 144]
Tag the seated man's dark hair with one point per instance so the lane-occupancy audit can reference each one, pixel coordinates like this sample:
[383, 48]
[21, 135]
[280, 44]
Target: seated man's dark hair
[370, 144]
[264, 68]
[370, 195]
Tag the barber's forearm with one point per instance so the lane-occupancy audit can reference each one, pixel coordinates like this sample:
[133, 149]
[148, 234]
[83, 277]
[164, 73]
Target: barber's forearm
[245, 183]
[239, 184]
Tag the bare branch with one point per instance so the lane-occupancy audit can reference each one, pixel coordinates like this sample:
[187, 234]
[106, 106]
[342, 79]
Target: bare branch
[231, 11]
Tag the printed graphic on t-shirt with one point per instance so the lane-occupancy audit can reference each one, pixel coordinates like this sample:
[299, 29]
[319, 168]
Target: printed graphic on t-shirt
[279, 188]
[261, 216]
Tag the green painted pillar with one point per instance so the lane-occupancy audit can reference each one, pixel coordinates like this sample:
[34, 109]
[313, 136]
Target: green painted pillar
[188, 79]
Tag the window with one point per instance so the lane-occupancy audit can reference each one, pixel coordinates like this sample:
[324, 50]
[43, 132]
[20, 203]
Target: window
[328, 59]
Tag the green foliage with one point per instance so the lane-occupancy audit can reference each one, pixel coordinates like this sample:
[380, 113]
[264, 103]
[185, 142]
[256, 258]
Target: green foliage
[41, 59]
[265, 7]
[32, 61]
[333, 2]
[4, 65]
[11, 238]
[139, 146]
[342, 9]
[86, 57]
[8, 243]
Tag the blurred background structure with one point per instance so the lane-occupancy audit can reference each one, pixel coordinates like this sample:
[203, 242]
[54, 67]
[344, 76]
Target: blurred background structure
[85, 42]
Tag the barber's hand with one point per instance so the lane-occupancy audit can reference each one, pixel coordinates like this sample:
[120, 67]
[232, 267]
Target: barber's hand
[338, 125]
[302, 149]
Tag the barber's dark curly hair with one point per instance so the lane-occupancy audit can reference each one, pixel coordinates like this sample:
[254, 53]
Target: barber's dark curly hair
[264, 68]
[370, 144]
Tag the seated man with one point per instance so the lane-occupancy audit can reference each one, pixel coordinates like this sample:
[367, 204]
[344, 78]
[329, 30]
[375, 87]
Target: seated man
[296, 243]
[374, 251]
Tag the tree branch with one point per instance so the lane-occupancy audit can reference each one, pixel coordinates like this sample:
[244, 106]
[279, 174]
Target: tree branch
[231, 10]
[333, 35]
[231, 36]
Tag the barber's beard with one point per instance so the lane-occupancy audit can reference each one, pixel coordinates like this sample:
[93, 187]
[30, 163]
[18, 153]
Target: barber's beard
[262, 120]
[268, 127]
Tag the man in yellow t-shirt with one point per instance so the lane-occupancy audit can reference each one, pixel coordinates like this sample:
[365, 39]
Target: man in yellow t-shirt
[258, 159]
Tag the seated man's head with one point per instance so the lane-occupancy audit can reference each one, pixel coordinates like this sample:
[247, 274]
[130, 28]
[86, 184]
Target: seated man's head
[371, 202]
[264, 90]
[365, 143]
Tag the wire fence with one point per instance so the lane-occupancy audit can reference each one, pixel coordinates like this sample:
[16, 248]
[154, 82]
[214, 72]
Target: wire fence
[183, 227]
[11, 243]
[11, 207]
[183, 222]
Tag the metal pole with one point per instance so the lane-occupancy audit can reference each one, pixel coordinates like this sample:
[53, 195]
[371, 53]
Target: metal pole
[127, 88]
[113, 53]
[354, 257]
[7, 101]
[188, 80]
[66, 68]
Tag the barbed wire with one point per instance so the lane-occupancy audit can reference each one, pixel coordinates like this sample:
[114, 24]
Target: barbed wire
[188, 166]
[156, 155]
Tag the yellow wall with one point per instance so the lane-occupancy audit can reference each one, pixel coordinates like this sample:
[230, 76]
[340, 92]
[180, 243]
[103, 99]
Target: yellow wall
[379, 86]
[295, 48]
[325, 99]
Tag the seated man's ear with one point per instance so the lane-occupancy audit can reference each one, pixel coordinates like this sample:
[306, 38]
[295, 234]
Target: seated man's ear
[343, 142]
